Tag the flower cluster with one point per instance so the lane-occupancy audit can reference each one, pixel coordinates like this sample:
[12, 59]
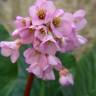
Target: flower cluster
[48, 30]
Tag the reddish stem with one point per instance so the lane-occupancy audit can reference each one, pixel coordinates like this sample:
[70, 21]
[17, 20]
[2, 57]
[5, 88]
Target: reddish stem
[28, 85]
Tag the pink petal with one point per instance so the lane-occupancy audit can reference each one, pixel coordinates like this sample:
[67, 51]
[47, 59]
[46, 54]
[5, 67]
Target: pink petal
[48, 48]
[30, 56]
[68, 17]
[59, 12]
[35, 69]
[48, 75]
[15, 33]
[81, 24]
[14, 56]
[81, 39]
[5, 52]
[40, 35]
[55, 62]
[79, 14]
[66, 80]
[43, 62]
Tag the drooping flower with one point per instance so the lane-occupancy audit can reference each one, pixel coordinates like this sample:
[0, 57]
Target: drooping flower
[38, 64]
[49, 45]
[10, 49]
[54, 62]
[41, 32]
[46, 74]
[26, 35]
[42, 65]
[66, 78]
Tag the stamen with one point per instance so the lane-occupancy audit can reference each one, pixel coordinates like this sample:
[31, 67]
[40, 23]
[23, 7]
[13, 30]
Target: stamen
[31, 29]
[49, 42]
[24, 22]
[56, 21]
[41, 14]
[42, 31]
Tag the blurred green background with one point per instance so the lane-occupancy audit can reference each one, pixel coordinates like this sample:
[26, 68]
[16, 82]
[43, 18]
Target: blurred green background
[82, 62]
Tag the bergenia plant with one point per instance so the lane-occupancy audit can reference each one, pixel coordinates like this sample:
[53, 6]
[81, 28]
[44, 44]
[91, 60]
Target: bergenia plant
[48, 30]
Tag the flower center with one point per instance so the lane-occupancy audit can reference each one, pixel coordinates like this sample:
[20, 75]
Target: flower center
[23, 22]
[31, 30]
[37, 52]
[30, 20]
[56, 21]
[49, 42]
[41, 14]
[42, 31]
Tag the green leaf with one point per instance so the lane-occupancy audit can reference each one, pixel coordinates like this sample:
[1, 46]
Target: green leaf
[8, 75]
[3, 33]
[68, 59]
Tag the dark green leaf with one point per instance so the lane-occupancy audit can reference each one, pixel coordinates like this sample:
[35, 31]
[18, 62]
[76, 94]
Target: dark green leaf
[3, 33]
[68, 59]
[8, 75]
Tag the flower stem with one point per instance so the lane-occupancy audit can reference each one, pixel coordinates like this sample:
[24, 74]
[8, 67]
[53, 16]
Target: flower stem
[28, 85]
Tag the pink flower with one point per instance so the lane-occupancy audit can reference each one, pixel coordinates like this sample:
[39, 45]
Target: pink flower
[42, 65]
[10, 49]
[41, 12]
[65, 78]
[79, 18]
[54, 62]
[26, 35]
[46, 74]
[38, 64]
[73, 41]
[70, 42]
[41, 32]
[49, 45]
[60, 26]
[22, 22]
[33, 56]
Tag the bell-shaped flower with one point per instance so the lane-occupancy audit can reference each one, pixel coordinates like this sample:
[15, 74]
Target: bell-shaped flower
[66, 78]
[26, 35]
[41, 32]
[10, 49]
[49, 45]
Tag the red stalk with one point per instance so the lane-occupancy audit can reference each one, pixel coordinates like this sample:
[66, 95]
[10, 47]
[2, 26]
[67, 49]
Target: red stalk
[28, 85]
